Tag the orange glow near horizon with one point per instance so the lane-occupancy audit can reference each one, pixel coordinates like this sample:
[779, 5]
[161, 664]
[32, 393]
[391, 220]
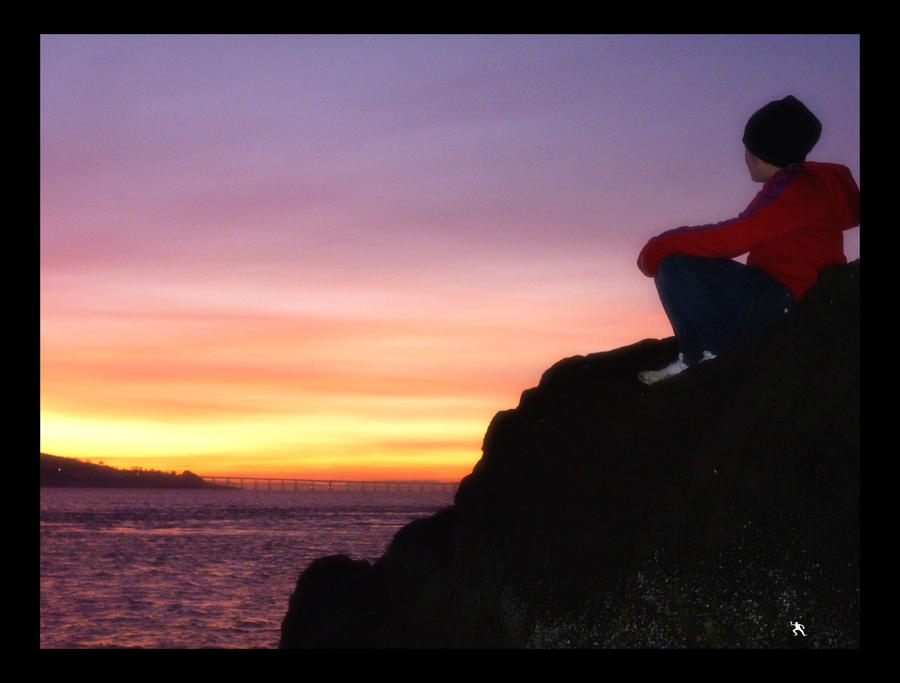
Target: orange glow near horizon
[402, 390]
[293, 395]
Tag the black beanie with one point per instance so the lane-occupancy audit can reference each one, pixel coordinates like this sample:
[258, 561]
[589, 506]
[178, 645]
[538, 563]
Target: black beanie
[783, 132]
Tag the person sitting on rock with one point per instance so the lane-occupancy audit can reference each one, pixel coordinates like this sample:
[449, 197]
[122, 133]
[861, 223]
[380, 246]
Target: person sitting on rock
[792, 229]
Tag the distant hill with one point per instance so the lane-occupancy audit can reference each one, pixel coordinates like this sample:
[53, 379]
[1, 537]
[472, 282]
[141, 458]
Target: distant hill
[57, 471]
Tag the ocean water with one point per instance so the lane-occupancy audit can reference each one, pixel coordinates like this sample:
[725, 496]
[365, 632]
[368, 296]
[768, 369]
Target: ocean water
[131, 568]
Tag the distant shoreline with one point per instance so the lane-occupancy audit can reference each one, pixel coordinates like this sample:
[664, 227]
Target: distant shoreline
[59, 472]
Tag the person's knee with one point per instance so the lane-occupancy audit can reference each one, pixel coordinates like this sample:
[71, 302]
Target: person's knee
[674, 266]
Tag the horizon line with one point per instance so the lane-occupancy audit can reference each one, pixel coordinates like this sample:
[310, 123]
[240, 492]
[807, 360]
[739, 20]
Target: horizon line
[332, 480]
[257, 477]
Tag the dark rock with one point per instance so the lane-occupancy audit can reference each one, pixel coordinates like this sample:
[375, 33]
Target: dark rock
[336, 605]
[710, 510]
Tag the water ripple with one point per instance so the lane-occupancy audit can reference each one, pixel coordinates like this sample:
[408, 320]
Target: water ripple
[174, 569]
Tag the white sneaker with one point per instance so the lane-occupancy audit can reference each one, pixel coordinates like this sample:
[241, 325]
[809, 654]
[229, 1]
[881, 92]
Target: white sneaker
[672, 369]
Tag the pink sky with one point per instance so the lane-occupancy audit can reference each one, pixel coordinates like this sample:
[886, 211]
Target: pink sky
[341, 255]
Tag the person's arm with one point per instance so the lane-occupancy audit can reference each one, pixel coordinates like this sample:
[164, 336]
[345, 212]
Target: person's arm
[776, 209]
[783, 205]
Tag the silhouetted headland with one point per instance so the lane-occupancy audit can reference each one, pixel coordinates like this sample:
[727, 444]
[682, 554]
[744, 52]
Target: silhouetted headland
[715, 509]
[57, 471]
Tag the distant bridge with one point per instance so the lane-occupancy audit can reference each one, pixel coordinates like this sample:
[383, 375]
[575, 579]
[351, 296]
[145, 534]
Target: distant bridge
[288, 484]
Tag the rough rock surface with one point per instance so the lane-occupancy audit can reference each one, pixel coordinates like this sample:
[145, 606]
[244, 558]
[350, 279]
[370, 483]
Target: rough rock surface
[710, 510]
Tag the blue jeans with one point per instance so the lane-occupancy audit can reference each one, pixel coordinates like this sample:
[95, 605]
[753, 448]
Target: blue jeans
[716, 304]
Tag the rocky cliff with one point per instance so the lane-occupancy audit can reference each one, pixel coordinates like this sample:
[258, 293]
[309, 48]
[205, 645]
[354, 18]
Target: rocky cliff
[710, 510]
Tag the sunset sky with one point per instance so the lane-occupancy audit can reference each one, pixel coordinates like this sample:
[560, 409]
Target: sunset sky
[340, 256]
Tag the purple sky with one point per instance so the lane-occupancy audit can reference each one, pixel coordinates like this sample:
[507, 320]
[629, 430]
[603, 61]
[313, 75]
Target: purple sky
[486, 195]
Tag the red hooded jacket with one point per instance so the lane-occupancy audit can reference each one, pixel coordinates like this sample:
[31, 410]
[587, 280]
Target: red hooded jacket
[792, 228]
